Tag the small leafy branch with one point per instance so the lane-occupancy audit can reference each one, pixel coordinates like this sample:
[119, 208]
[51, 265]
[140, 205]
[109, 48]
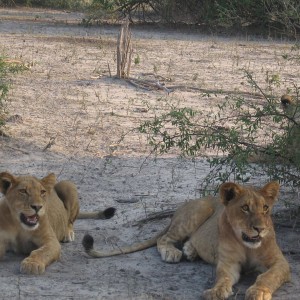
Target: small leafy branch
[239, 138]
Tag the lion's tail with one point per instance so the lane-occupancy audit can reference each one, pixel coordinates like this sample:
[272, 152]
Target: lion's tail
[88, 244]
[100, 214]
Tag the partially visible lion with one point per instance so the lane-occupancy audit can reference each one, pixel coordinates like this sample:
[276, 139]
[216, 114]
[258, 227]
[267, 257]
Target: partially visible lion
[288, 103]
[35, 215]
[291, 107]
[234, 232]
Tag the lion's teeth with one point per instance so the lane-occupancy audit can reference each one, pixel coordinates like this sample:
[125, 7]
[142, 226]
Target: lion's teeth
[32, 219]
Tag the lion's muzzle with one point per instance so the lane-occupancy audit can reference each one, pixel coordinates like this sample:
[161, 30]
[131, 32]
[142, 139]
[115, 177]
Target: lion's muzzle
[31, 222]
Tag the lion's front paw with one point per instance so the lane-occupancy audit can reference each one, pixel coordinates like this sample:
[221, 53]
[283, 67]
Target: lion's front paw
[30, 266]
[258, 293]
[217, 293]
[170, 255]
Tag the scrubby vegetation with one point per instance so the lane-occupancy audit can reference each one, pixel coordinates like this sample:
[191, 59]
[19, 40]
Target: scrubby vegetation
[262, 15]
[6, 69]
[280, 16]
[240, 139]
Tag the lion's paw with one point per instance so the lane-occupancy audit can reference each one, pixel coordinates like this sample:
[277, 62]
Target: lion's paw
[170, 255]
[189, 251]
[30, 266]
[219, 293]
[258, 293]
[69, 237]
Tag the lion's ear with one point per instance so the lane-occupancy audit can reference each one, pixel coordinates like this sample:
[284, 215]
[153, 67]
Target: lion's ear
[271, 190]
[6, 182]
[229, 191]
[49, 181]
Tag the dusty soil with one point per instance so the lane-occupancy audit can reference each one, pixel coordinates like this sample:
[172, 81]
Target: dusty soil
[72, 116]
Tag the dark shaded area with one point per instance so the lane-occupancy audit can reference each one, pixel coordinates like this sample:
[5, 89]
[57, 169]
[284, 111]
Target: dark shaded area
[267, 17]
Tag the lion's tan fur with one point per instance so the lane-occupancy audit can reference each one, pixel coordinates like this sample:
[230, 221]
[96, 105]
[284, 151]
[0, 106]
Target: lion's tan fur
[50, 208]
[234, 232]
[291, 107]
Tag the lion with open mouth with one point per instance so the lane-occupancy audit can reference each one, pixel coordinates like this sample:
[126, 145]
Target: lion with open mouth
[36, 215]
[233, 231]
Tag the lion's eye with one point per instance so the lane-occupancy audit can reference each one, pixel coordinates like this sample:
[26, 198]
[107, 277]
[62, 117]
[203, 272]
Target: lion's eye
[43, 193]
[23, 191]
[266, 208]
[245, 208]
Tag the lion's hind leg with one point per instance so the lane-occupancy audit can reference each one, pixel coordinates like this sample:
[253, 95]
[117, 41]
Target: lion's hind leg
[186, 220]
[67, 192]
[166, 247]
[189, 251]
[70, 234]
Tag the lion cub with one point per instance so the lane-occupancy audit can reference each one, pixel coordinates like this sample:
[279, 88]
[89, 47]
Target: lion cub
[35, 215]
[234, 231]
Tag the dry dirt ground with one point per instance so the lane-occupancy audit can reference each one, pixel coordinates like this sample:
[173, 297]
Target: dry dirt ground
[72, 115]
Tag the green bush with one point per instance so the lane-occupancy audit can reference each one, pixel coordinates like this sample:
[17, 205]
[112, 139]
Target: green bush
[277, 15]
[262, 15]
[171, 11]
[240, 139]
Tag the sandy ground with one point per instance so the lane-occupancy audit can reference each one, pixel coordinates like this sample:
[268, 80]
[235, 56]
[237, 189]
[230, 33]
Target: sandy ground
[72, 117]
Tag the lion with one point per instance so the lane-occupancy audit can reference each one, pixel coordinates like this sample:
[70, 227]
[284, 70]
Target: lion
[287, 101]
[36, 215]
[233, 231]
[291, 108]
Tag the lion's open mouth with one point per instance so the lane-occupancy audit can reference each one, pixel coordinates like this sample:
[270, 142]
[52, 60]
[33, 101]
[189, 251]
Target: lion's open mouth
[248, 239]
[29, 220]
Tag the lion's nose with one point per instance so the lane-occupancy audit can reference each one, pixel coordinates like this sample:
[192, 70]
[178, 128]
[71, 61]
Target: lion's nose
[36, 207]
[258, 229]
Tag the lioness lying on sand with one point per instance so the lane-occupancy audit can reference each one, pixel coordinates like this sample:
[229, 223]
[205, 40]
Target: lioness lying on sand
[235, 232]
[35, 215]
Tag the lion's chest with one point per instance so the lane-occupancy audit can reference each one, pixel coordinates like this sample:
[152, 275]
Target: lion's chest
[253, 263]
[22, 243]
[263, 257]
[13, 237]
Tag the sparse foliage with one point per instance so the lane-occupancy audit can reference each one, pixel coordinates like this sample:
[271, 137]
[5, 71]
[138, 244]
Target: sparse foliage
[6, 68]
[281, 16]
[240, 139]
[269, 15]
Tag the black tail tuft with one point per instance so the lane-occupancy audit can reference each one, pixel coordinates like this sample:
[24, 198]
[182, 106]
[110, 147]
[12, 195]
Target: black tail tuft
[88, 242]
[109, 212]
